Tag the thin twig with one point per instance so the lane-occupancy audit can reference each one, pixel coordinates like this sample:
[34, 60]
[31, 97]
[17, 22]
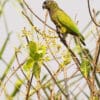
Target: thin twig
[29, 82]
[29, 86]
[12, 75]
[94, 21]
[95, 60]
[46, 16]
[87, 26]
[76, 60]
[66, 96]
[5, 22]
[55, 74]
[28, 18]
[72, 53]
[66, 82]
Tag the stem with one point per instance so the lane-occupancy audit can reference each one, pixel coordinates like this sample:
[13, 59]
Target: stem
[94, 21]
[66, 96]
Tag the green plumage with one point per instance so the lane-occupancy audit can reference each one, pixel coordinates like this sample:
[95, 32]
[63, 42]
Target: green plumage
[63, 22]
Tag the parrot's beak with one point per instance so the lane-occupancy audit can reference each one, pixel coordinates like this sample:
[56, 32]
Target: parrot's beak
[43, 6]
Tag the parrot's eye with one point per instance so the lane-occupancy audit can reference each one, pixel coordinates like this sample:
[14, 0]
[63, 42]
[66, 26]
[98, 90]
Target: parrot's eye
[45, 2]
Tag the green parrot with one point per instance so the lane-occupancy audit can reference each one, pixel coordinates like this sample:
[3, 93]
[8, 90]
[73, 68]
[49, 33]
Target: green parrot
[64, 24]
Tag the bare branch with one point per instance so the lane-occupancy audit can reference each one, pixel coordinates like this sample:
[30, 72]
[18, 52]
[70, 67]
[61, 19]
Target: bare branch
[19, 66]
[94, 21]
[66, 96]
[29, 82]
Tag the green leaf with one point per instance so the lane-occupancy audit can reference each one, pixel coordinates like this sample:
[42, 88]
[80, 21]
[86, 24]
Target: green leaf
[44, 78]
[1, 9]
[37, 51]
[28, 65]
[18, 84]
[4, 45]
[32, 48]
[40, 53]
[20, 1]
[66, 58]
[85, 68]
[77, 49]
[36, 70]
[88, 53]
[8, 68]
[94, 98]
[42, 50]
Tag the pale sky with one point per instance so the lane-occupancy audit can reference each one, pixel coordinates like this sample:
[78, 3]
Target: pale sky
[16, 22]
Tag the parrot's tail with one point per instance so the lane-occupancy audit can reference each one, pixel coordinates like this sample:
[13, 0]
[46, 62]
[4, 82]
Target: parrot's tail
[82, 40]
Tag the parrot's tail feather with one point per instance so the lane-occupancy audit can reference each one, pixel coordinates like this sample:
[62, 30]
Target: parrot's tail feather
[82, 40]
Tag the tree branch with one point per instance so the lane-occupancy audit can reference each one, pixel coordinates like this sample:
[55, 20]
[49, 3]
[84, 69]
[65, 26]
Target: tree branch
[94, 21]
[66, 96]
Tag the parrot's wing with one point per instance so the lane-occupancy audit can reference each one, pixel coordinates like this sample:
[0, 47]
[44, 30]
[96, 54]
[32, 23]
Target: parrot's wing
[66, 21]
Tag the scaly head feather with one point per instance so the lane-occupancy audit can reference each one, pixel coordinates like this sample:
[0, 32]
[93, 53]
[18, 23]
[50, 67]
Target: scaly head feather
[49, 5]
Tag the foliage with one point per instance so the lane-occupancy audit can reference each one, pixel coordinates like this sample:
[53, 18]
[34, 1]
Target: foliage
[36, 58]
[45, 65]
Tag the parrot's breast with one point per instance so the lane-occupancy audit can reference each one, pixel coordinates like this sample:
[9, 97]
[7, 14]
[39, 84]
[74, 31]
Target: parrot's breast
[54, 17]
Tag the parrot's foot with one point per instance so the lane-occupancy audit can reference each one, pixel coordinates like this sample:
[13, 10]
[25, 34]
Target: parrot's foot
[62, 38]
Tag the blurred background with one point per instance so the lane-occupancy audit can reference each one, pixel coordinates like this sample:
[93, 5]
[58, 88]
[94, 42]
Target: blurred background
[13, 28]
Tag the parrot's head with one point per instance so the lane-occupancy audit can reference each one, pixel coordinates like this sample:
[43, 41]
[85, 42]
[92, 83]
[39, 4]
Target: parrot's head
[49, 4]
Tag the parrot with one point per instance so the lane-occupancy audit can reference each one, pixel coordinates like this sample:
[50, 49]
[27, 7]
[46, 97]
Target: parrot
[64, 24]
